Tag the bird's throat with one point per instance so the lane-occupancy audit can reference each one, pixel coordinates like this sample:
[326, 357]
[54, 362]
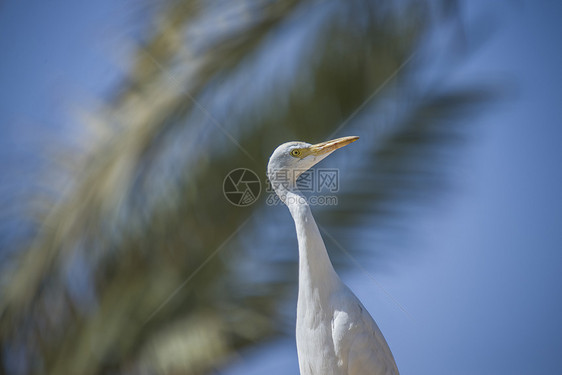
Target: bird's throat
[315, 267]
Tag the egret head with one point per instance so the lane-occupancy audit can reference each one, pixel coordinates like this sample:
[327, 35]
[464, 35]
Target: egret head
[291, 159]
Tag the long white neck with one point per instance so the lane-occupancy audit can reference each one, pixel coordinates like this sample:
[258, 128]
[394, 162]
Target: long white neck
[315, 269]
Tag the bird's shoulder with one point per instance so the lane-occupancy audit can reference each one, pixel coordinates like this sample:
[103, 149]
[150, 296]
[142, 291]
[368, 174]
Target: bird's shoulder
[358, 341]
[349, 317]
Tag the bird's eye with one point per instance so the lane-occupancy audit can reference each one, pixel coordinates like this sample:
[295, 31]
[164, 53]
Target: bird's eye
[296, 153]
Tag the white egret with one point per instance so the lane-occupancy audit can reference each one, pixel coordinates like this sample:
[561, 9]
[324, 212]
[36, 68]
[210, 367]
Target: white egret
[335, 333]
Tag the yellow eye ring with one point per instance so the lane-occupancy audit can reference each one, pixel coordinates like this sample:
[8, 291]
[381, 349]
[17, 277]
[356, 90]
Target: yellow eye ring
[296, 153]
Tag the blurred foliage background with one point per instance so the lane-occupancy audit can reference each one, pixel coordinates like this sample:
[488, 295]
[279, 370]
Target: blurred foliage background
[135, 261]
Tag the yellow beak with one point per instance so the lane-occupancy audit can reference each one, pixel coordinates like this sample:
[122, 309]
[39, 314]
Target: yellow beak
[329, 146]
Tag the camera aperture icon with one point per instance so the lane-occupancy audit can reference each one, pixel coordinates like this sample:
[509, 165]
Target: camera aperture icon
[241, 187]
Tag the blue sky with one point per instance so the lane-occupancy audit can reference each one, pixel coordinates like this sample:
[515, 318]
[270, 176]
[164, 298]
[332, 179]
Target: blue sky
[484, 291]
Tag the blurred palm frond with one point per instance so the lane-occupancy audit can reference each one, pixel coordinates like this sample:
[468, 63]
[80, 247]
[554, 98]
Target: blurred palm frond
[140, 264]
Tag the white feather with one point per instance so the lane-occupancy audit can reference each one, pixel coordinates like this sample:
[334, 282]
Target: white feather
[335, 333]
